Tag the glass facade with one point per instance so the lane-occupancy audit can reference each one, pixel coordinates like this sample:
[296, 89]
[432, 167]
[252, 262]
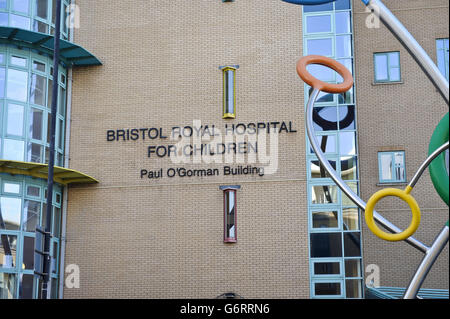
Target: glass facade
[34, 15]
[334, 220]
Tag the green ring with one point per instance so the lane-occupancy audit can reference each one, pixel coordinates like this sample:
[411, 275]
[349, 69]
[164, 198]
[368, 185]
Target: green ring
[438, 171]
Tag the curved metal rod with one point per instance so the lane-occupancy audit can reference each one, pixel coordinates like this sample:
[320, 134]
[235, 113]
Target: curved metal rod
[341, 184]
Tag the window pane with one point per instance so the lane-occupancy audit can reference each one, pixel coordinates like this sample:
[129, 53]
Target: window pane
[347, 117]
[348, 63]
[39, 26]
[20, 5]
[329, 268]
[343, 46]
[15, 120]
[320, 46]
[11, 188]
[13, 150]
[57, 222]
[36, 124]
[386, 166]
[347, 143]
[381, 67]
[3, 4]
[316, 24]
[327, 289]
[394, 74]
[41, 8]
[327, 143]
[17, 85]
[347, 201]
[325, 118]
[326, 245]
[62, 101]
[19, 61]
[19, 21]
[343, 22]
[350, 218]
[317, 8]
[325, 219]
[352, 244]
[2, 83]
[11, 209]
[38, 66]
[28, 252]
[321, 72]
[394, 59]
[353, 268]
[8, 283]
[26, 287]
[229, 91]
[342, 4]
[33, 191]
[8, 250]
[31, 214]
[348, 168]
[230, 215]
[399, 165]
[3, 19]
[38, 89]
[326, 194]
[353, 288]
[34, 153]
[318, 170]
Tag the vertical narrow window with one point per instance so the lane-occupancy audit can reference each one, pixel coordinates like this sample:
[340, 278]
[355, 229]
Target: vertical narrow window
[442, 56]
[229, 92]
[229, 206]
[391, 167]
[387, 67]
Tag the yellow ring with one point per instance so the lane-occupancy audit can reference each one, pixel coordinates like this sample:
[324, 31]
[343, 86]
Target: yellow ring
[405, 196]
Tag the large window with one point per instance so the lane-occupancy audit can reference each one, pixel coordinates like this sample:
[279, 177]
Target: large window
[387, 67]
[34, 15]
[391, 166]
[334, 220]
[442, 56]
[23, 206]
[25, 103]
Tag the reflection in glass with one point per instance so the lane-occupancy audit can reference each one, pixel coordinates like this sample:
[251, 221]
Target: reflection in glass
[327, 143]
[353, 268]
[344, 46]
[326, 194]
[17, 21]
[326, 245]
[399, 166]
[343, 22]
[320, 23]
[2, 83]
[230, 227]
[37, 89]
[353, 288]
[352, 244]
[327, 288]
[319, 171]
[348, 168]
[15, 120]
[350, 218]
[8, 251]
[11, 209]
[347, 201]
[36, 124]
[28, 253]
[26, 286]
[325, 219]
[327, 268]
[8, 283]
[34, 153]
[320, 46]
[17, 85]
[348, 63]
[317, 8]
[13, 150]
[325, 118]
[342, 5]
[347, 117]
[347, 143]
[386, 166]
[31, 215]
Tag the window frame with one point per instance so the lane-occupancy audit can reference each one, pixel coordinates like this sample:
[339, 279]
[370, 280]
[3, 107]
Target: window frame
[229, 189]
[380, 171]
[388, 68]
[226, 91]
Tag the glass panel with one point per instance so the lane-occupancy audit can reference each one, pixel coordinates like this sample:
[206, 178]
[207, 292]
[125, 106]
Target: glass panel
[230, 214]
[13, 150]
[386, 166]
[353, 268]
[54, 288]
[394, 59]
[347, 143]
[28, 253]
[327, 143]
[3, 4]
[53, 11]
[38, 66]
[381, 67]
[17, 85]
[49, 136]
[11, 209]
[31, 215]
[26, 286]
[39, 26]
[34, 191]
[2, 82]
[38, 89]
[342, 5]
[320, 46]
[394, 74]
[315, 24]
[327, 268]
[317, 8]
[49, 93]
[62, 101]
[4, 19]
[352, 244]
[15, 120]
[15, 60]
[55, 252]
[326, 194]
[343, 22]
[325, 118]
[348, 168]
[19, 22]
[11, 188]
[41, 8]
[344, 46]
[324, 97]
[326, 245]
[325, 219]
[57, 222]
[327, 289]
[347, 201]
[34, 153]
[347, 117]
[348, 63]
[353, 288]
[321, 72]
[8, 283]
[60, 140]
[8, 250]
[350, 218]
[399, 165]
[229, 91]
[36, 124]
[20, 5]
[318, 170]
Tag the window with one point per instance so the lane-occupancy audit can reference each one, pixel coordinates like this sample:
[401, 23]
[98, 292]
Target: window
[391, 166]
[229, 89]
[442, 56]
[387, 67]
[229, 206]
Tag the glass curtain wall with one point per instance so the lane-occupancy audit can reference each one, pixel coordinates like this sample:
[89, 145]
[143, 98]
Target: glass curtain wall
[334, 220]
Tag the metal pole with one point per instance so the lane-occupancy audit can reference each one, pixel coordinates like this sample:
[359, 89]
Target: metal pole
[51, 162]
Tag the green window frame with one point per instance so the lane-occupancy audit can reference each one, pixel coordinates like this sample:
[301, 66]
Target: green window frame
[387, 67]
[29, 141]
[442, 52]
[392, 167]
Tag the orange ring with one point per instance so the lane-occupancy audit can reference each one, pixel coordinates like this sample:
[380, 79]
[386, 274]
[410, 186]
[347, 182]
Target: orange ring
[320, 85]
